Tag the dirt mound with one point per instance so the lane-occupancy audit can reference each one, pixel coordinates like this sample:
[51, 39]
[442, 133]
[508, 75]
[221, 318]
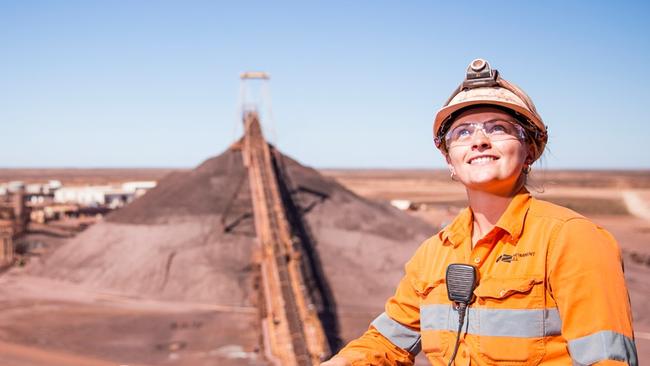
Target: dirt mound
[210, 189]
[192, 239]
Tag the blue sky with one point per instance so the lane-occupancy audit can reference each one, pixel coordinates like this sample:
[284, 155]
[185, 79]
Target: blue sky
[354, 83]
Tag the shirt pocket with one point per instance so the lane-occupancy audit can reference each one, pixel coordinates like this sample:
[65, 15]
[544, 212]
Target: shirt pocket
[509, 320]
[434, 319]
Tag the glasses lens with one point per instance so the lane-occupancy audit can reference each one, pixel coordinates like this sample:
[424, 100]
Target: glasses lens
[500, 130]
[461, 132]
[495, 130]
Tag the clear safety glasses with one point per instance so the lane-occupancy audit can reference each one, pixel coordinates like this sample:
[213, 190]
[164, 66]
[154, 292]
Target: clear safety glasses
[495, 130]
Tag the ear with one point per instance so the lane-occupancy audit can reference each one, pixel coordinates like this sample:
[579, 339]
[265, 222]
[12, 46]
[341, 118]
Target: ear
[451, 167]
[530, 157]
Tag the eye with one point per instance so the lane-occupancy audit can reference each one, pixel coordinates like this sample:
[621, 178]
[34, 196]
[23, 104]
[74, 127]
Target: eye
[462, 131]
[499, 128]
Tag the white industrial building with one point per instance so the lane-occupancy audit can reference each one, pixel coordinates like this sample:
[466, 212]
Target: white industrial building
[104, 195]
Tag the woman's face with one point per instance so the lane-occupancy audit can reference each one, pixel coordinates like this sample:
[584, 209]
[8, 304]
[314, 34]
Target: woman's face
[485, 163]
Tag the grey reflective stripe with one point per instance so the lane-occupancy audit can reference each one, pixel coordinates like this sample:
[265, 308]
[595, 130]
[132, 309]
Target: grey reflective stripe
[604, 345]
[552, 322]
[521, 323]
[398, 334]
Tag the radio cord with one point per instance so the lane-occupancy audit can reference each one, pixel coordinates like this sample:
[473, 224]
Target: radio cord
[462, 310]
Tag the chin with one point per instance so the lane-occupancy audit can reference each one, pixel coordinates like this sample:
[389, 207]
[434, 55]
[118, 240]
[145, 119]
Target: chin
[484, 177]
[489, 181]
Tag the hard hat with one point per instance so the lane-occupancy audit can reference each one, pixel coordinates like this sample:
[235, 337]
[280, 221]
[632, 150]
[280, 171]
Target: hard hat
[484, 86]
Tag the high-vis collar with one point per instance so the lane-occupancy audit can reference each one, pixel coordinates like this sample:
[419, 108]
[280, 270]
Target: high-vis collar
[511, 221]
[458, 230]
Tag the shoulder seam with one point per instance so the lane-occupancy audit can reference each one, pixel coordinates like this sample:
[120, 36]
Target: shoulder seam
[567, 215]
[577, 216]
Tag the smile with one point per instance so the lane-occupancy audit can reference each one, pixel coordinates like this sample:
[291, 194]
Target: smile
[482, 160]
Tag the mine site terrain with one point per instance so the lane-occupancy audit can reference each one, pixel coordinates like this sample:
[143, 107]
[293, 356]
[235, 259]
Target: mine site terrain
[172, 278]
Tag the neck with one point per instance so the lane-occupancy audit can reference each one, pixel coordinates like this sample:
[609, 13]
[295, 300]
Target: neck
[487, 208]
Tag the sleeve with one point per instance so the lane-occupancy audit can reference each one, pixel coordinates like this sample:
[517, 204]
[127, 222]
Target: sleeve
[394, 336]
[585, 273]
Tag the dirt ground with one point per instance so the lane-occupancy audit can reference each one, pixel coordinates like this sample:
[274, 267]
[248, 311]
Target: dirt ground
[49, 322]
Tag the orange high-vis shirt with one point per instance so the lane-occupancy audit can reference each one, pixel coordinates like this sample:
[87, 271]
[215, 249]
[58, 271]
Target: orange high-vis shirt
[551, 292]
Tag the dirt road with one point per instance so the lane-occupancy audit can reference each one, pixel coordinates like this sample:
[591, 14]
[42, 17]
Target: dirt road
[51, 323]
[18, 355]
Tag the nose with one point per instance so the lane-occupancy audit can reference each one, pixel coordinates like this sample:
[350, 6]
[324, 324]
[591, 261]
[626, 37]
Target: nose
[480, 140]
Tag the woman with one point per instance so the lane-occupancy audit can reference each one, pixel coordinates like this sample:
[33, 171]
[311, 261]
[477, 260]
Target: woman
[550, 287]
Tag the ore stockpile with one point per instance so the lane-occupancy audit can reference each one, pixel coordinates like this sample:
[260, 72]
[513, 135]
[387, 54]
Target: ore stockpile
[182, 275]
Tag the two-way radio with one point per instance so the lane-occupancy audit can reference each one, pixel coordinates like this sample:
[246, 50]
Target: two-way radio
[461, 281]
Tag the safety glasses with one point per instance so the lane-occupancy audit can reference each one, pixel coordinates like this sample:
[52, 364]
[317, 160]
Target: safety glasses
[495, 130]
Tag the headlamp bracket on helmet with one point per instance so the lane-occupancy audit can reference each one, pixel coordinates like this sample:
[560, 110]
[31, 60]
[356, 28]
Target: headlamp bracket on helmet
[479, 74]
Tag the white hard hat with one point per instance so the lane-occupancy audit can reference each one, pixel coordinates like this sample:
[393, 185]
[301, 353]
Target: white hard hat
[484, 86]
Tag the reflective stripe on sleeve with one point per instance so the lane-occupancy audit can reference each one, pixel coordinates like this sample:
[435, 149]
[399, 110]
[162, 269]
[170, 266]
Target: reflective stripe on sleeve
[604, 345]
[397, 333]
[521, 323]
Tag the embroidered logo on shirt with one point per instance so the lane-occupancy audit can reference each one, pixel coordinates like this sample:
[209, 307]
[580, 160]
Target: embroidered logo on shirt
[504, 258]
[514, 257]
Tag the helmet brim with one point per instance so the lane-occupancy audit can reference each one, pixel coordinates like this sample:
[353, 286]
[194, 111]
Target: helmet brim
[446, 112]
